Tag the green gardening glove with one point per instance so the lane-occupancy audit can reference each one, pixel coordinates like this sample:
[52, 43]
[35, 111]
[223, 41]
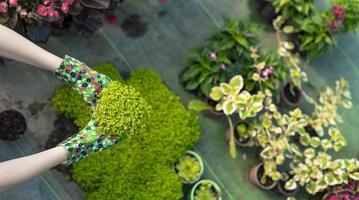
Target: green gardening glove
[89, 84]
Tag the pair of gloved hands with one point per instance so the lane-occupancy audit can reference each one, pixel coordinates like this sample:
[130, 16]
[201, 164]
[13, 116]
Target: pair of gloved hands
[89, 84]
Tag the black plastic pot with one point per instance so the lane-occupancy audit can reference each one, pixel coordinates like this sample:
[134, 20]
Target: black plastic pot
[291, 95]
[12, 125]
[293, 38]
[261, 3]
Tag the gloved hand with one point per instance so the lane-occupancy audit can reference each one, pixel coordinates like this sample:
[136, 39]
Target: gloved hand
[89, 84]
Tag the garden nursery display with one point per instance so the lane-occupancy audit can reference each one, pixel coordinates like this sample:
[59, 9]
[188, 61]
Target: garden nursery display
[253, 108]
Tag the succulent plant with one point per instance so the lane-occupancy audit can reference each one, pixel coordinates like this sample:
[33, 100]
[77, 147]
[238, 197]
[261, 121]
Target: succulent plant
[189, 168]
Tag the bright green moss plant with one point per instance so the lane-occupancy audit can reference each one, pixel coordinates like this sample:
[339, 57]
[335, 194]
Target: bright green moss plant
[142, 168]
[121, 110]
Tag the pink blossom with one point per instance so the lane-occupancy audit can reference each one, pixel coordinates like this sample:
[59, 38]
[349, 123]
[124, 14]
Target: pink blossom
[223, 66]
[339, 12]
[334, 25]
[112, 19]
[3, 7]
[42, 10]
[213, 55]
[46, 2]
[13, 3]
[65, 7]
[53, 13]
[23, 13]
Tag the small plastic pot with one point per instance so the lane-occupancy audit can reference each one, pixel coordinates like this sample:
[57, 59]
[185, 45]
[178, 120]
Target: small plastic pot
[287, 193]
[255, 176]
[212, 113]
[293, 38]
[287, 98]
[261, 3]
[197, 157]
[215, 188]
[239, 141]
[268, 13]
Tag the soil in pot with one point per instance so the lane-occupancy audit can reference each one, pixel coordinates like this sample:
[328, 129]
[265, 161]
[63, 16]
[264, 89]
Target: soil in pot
[12, 125]
[256, 177]
[291, 95]
[285, 192]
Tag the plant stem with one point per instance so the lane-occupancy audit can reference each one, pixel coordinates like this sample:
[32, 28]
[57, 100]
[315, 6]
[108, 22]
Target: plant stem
[232, 147]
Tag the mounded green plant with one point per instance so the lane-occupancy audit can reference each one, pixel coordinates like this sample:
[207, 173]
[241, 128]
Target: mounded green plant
[142, 168]
[206, 191]
[70, 103]
[188, 168]
[121, 110]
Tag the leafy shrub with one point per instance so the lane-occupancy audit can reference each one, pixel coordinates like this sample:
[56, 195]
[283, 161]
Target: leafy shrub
[142, 168]
[70, 103]
[121, 110]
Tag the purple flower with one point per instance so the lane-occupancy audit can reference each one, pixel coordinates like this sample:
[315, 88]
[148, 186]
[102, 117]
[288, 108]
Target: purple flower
[213, 55]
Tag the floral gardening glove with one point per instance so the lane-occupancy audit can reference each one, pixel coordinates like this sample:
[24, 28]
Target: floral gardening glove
[89, 84]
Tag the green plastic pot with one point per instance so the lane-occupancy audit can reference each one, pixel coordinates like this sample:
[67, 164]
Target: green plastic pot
[215, 185]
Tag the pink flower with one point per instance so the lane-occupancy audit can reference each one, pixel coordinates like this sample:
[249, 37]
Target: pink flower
[339, 12]
[46, 2]
[53, 13]
[112, 19]
[13, 3]
[223, 66]
[3, 7]
[65, 7]
[42, 10]
[213, 55]
[23, 13]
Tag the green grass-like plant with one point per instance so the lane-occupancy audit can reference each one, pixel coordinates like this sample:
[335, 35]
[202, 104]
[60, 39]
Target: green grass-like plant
[121, 110]
[142, 168]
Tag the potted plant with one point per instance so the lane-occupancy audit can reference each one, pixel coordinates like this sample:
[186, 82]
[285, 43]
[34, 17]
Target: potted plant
[346, 191]
[319, 172]
[206, 190]
[189, 168]
[258, 176]
[281, 186]
[220, 58]
[291, 95]
[232, 99]
[241, 135]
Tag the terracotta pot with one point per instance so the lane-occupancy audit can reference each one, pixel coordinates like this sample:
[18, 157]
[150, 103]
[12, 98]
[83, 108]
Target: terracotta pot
[195, 155]
[253, 178]
[288, 99]
[215, 187]
[237, 140]
[284, 192]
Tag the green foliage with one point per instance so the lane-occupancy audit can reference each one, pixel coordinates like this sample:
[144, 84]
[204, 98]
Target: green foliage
[204, 192]
[121, 110]
[68, 102]
[142, 168]
[221, 57]
[189, 168]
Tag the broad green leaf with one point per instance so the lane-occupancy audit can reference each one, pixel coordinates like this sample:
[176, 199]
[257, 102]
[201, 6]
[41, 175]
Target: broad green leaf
[198, 105]
[229, 107]
[225, 88]
[216, 94]
[354, 176]
[237, 83]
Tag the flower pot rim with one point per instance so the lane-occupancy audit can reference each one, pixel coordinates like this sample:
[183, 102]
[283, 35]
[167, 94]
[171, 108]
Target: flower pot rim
[214, 184]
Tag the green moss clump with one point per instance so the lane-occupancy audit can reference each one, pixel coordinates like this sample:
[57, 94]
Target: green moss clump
[70, 103]
[121, 110]
[142, 168]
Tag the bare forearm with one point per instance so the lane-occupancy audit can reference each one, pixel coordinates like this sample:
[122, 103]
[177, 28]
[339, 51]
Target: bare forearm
[15, 171]
[16, 47]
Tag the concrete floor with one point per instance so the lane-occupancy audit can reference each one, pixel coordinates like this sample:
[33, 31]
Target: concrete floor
[169, 31]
